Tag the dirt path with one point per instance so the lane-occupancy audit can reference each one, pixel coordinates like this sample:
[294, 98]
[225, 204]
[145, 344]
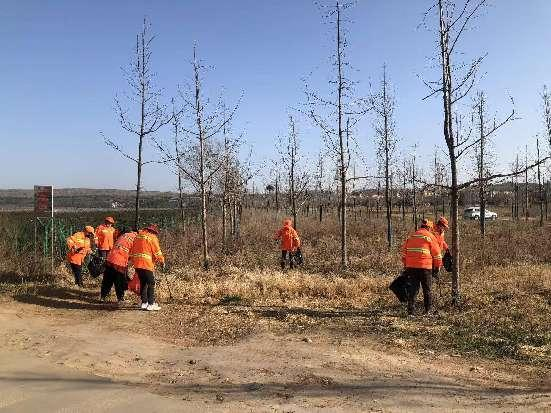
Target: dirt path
[58, 348]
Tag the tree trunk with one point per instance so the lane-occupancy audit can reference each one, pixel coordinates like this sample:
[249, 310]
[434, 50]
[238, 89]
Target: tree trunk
[203, 214]
[455, 234]
[404, 197]
[540, 188]
[202, 181]
[224, 222]
[481, 184]
[526, 188]
[277, 193]
[388, 202]
[232, 217]
[414, 206]
[138, 187]
[181, 201]
[344, 247]
[546, 197]
[342, 149]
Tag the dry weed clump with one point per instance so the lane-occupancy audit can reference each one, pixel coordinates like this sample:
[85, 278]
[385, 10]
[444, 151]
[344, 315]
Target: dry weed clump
[270, 286]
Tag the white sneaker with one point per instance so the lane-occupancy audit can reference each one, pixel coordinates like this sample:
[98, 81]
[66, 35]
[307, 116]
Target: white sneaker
[144, 306]
[153, 307]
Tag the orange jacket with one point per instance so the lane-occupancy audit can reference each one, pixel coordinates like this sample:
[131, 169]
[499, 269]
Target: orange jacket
[145, 251]
[289, 237]
[421, 250]
[74, 242]
[441, 242]
[106, 237]
[118, 256]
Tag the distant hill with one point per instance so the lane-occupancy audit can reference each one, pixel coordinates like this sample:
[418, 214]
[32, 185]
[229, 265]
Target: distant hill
[76, 198]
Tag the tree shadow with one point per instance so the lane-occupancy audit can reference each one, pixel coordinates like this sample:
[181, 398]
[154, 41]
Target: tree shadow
[281, 312]
[410, 390]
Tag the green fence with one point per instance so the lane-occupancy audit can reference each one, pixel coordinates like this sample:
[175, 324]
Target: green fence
[21, 233]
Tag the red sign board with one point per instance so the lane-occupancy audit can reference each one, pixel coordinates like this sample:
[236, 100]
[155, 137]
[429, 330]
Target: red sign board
[43, 200]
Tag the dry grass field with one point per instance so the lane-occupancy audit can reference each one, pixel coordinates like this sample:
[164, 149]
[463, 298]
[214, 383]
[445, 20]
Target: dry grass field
[506, 287]
[246, 335]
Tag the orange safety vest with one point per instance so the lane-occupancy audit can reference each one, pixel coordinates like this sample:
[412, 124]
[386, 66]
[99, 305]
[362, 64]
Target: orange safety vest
[118, 256]
[289, 238]
[146, 251]
[441, 242]
[106, 237]
[421, 250]
[74, 242]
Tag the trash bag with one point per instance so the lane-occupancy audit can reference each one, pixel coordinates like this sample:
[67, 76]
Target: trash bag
[448, 261]
[297, 257]
[134, 285]
[400, 287]
[96, 265]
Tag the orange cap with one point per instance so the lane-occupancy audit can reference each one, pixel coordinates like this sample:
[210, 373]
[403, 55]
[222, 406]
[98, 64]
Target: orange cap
[153, 228]
[89, 229]
[442, 221]
[111, 220]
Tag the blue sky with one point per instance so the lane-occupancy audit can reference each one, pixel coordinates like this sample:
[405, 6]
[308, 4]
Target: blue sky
[61, 68]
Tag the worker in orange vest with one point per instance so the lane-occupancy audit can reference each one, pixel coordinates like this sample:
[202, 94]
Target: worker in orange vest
[144, 254]
[438, 231]
[422, 259]
[106, 235]
[116, 266]
[80, 244]
[289, 242]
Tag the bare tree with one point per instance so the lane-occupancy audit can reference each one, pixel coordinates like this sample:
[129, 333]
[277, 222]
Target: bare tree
[227, 175]
[203, 157]
[178, 161]
[486, 129]
[290, 160]
[526, 211]
[341, 113]
[383, 104]
[540, 186]
[149, 115]
[235, 178]
[455, 83]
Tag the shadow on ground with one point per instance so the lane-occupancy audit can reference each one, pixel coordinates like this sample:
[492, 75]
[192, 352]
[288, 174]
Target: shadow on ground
[282, 312]
[412, 392]
[67, 298]
[308, 386]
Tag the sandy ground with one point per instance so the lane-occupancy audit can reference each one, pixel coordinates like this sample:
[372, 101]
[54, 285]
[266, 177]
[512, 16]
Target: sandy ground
[67, 352]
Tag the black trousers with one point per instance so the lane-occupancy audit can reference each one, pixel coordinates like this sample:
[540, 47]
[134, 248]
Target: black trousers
[284, 255]
[112, 277]
[416, 276]
[77, 272]
[147, 281]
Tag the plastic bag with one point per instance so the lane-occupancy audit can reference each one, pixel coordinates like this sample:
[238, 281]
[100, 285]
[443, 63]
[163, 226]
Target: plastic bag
[134, 284]
[96, 265]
